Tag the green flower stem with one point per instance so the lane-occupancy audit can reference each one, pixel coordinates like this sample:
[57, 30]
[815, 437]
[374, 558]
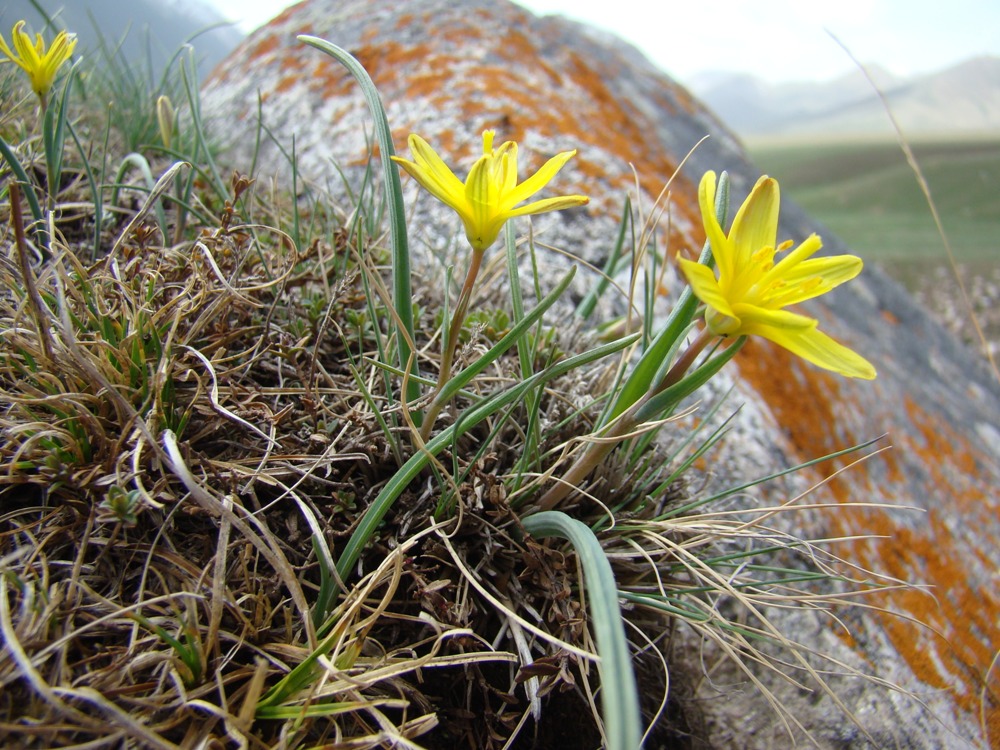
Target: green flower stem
[622, 428]
[448, 353]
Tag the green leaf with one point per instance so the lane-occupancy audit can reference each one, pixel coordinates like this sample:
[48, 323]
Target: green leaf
[514, 336]
[54, 134]
[625, 227]
[29, 194]
[663, 403]
[401, 293]
[619, 694]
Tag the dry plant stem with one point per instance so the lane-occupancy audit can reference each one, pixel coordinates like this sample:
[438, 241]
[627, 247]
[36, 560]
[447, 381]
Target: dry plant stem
[34, 299]
[448, 353]
[622, 428]
[679, 369]
[592, 456]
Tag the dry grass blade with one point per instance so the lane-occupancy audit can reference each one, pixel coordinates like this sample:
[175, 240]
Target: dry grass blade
[27, 669]
[162, 186]
[259, 536]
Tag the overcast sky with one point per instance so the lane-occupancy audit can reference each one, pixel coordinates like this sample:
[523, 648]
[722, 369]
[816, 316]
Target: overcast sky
[778, 40]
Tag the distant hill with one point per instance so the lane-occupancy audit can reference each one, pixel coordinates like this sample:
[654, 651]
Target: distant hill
[965, 97]
[150, 30]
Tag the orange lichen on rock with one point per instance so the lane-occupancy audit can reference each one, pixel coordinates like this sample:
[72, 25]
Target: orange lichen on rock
[498, 96]
[946, 454]
[267, 44]
[954, 647]
[803, 399]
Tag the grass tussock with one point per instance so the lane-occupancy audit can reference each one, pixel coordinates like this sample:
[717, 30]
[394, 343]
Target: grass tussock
[201, 408]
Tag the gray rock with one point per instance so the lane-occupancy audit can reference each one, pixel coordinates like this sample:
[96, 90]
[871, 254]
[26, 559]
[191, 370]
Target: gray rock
[448, 69]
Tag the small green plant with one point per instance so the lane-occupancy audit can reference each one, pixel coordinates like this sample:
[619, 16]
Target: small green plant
[121, 505]
[487, 199]
[746, 299]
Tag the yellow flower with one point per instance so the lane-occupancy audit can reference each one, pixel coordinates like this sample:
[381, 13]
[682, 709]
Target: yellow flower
[41, 66]
[490, 194]
[748, 297]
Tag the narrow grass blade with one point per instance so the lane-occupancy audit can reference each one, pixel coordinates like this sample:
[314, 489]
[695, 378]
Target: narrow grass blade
[619, 694]
[401, 292]
[688, 508]
[657, 357]
[189, 75]
[54, 134]
[29, 194]
[625, 227]
[152, 199]
[94, 191]
[516, 299]
[140, 162]
[525, 353]
[514, 336]
[663, 403]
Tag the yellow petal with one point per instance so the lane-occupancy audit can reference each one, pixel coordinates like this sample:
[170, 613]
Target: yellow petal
[481, 197]
[756, 223]
[721, 251]
[17, 56]
[815, 346]
[25, 49]
[537, 181]
[62, 48]
[507, 176]
[434, 167]
[757, 319]
[705, 286]
[549, 204]
[814, 277]
[7, 50]
[809, 247]
[435, 187]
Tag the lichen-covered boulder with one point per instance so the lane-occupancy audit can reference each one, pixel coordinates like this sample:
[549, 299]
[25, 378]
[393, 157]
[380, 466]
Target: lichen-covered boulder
[924, 511]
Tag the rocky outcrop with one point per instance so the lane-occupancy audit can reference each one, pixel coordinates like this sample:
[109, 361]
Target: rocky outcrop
[923, 511]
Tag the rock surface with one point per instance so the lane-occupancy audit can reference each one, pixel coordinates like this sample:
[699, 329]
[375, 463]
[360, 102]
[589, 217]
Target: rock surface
[449, 69]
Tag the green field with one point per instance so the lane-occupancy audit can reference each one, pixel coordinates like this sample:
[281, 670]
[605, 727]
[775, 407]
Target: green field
[866, 193]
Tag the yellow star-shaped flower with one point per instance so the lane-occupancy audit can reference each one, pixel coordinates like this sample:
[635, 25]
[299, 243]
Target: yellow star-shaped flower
[490, 195]
[749, 296]
[40, 65]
